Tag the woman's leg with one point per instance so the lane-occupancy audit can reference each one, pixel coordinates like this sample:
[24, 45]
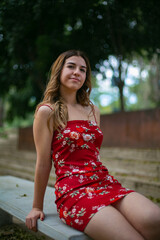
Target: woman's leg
[142, 214]
[110, 224]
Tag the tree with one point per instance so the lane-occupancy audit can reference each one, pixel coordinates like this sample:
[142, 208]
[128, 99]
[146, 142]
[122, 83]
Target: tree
[33, 33]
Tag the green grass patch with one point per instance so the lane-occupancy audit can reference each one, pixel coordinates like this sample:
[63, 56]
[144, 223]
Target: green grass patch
[155, 200]
[14, 232]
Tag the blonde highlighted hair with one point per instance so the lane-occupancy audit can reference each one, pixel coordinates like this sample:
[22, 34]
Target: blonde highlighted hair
[52, 93]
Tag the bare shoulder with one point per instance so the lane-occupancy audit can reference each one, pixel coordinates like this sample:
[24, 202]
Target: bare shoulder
[43, 130]
[42, 117]
[43, 112]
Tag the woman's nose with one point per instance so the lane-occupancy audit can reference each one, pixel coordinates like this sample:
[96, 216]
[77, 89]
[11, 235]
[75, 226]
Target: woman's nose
[76, 71]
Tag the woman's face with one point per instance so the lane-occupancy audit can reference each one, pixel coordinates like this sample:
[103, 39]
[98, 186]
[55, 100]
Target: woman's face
[73, 74]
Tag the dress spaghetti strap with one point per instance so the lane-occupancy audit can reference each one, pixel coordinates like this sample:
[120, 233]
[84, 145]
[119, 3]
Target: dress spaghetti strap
[46, 106]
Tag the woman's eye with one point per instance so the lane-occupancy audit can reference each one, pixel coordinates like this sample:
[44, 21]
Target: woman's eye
[70, 66]
[83, 70]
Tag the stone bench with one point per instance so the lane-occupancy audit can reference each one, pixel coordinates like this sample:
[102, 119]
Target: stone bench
[16, 196]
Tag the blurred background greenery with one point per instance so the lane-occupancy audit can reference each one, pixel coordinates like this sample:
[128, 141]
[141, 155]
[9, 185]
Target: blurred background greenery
[121, 39]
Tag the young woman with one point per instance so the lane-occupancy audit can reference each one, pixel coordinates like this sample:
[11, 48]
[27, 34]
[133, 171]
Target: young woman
[67, 130]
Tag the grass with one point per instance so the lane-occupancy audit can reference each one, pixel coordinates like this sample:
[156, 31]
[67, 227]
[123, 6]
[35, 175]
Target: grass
[155, 200]
[3, 133]
[15, 232]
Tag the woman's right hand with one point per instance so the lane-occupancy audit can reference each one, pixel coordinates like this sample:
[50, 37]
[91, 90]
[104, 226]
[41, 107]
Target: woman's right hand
[32, 217]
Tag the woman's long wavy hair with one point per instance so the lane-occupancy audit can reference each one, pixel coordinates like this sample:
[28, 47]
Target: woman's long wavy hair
[52, 93]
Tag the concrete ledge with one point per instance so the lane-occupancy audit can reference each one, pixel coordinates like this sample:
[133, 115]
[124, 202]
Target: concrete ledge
[16, 196]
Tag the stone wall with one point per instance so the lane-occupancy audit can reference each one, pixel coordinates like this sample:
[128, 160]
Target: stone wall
[138, 129]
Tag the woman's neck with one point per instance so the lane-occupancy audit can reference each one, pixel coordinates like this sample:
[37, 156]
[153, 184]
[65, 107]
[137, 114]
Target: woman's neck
[70, 99]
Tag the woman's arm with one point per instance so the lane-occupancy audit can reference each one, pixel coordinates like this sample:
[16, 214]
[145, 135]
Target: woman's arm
[43, 140]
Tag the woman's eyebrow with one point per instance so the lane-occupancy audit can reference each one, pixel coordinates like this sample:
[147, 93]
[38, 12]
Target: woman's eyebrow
[75, 64]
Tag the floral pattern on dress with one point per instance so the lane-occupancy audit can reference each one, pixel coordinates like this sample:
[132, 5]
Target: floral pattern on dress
[84, 185]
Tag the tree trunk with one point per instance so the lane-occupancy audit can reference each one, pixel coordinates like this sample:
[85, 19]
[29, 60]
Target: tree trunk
[120, 84]
[121, 98]
[1, 113]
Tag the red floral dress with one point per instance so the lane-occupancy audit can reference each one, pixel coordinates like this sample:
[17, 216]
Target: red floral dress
[83, 184]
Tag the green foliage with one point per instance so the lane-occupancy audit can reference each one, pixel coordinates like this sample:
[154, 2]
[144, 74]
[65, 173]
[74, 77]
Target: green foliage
[34, 33]
[147, 90]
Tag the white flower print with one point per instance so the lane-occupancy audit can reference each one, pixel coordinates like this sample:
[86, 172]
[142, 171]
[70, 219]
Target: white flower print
[93, 164]
[56, 156]
[109, 178]
[81, 179]
[99, 208]
[79, 222]
[89, 190]
[67, 173]
[93, 123]
[66, 131]
[90, 195]
[121, 195]
[72, 150]
[83, 194]
[74, 135]
[73, 210]
[87, 137]
[98, 158]
[65, 214]
[75, 170]
[64, 188]
[99, 131]
[65, 208]
[94, 207]
[71, 166]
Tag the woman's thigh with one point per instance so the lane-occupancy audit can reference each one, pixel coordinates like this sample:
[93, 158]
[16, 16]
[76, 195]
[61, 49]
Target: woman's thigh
[142, 214]
[110, 224]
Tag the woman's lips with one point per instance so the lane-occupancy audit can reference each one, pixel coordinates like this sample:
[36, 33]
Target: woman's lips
[75, 79]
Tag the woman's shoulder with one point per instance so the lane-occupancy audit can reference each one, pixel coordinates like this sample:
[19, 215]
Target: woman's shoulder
[43, 110]
[45, 106]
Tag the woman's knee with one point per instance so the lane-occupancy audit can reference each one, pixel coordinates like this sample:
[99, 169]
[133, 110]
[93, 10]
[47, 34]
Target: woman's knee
[102, 226]
[153, 216]
[151, 224]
